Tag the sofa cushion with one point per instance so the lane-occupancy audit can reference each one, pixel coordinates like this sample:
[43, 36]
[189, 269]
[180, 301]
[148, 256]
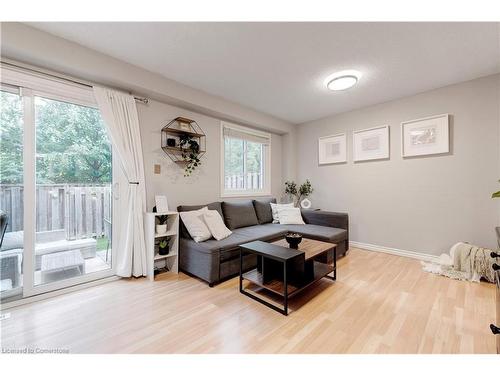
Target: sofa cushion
[239, 214]
[275, 209]
[13, 240]
[291, 215]
[211, 206]
[263, 210]
[216, 225]
[264, 232]
[228, 248]
[213, 246]
[318, 232]
[196, 225]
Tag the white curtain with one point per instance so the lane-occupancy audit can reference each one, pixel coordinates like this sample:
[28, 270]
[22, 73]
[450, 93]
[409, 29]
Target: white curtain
[120, 116]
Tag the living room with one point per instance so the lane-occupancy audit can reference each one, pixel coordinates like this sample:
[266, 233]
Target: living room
[250, 187]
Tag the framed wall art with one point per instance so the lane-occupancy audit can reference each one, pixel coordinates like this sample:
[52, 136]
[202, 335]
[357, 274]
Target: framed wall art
[332, 149]
[426, 136]
[371, 144]
[161, 203]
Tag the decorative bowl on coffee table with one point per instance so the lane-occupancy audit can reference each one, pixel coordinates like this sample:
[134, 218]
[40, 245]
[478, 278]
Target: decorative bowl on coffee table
[293, 240]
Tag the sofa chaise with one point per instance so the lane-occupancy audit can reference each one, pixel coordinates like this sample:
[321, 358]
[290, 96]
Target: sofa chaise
[215, 261]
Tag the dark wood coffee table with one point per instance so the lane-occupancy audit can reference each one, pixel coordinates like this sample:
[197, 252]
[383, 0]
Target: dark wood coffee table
[286, 272]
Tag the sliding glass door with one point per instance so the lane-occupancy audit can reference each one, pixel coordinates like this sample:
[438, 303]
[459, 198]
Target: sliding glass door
[57, 211]
[73, 191]
[11, 192]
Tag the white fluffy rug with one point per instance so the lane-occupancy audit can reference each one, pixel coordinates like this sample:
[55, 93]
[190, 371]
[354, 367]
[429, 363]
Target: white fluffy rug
[464, 262]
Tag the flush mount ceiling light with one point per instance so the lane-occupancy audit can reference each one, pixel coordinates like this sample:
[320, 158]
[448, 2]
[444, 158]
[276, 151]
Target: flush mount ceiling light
[342, 80]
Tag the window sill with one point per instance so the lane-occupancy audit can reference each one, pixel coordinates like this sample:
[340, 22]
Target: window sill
[246, 194]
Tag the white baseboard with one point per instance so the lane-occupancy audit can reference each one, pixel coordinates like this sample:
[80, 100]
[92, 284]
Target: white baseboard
[390, 250]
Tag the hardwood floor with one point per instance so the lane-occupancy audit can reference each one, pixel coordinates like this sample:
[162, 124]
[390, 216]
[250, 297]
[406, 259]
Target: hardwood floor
[380, 304]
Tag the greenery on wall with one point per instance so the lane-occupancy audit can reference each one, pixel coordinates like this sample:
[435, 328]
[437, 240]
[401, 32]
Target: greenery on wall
[190, 153]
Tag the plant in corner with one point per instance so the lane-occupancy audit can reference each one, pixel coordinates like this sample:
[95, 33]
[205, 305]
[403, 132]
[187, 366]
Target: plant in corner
[303, 191]
[190, 153]
[291, 188]
[497, 229]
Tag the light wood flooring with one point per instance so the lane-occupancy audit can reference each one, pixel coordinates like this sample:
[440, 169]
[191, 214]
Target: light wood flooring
[380, 303]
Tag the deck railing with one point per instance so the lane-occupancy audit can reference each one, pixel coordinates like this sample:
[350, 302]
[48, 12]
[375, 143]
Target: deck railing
[81, 210]
[237, 181]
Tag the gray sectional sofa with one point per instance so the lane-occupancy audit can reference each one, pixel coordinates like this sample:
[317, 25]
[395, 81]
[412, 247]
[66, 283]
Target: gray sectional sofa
[216, 261]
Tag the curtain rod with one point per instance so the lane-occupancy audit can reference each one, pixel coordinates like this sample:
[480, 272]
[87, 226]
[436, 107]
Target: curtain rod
[72, 80]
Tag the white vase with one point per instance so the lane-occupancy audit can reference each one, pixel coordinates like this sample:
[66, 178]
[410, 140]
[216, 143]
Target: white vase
[306, 203]
[161, 228]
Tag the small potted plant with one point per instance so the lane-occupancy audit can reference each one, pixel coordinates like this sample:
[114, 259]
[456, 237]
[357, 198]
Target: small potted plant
[298, 193]
[161, 227]
[163, 246]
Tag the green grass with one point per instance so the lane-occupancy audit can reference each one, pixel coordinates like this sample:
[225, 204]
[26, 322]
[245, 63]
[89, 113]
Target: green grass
[102, 243]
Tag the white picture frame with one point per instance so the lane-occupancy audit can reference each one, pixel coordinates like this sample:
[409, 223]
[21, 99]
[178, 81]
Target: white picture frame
[161, 203]
[371, 144]
[425, 136]
[332, 149]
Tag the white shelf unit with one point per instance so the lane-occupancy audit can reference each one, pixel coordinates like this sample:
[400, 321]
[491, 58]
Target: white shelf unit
[172, 258]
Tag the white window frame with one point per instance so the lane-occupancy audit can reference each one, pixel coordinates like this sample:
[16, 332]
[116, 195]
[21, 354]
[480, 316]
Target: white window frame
[30, 85]
[266, 164]
[48, 87]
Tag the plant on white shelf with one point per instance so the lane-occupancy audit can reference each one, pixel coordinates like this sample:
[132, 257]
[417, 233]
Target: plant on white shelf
[161, 227]
[163, 247]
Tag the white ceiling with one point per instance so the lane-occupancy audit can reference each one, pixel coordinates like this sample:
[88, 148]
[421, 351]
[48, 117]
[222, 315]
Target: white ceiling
[279, 68]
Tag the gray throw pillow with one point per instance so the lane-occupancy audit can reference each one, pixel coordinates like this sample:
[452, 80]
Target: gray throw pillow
[239, 214]
[211, 206]
[263, 210]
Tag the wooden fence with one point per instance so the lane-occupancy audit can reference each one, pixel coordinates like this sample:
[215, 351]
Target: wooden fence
[83, 211]
[235, 182]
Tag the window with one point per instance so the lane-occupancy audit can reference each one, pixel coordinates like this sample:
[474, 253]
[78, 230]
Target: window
[245, 161]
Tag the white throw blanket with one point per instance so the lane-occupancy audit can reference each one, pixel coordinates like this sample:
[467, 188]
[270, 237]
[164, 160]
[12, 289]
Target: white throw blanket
[464, 262]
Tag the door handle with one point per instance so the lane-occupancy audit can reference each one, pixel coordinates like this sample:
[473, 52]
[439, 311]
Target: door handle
[494, 329]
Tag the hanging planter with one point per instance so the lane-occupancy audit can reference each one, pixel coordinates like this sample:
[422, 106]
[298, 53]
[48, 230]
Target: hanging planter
[190, 153]
[184, 142]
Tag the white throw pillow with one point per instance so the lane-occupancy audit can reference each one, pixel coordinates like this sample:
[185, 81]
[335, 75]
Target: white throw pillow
[291, 216]
[276, 207]
[195, 225]
[216, 225]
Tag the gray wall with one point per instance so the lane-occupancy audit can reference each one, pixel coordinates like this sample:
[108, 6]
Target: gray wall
[29, 45]
[203, 186]
[421, 204]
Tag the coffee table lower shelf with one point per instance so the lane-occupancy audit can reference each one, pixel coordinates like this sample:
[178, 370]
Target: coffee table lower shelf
[286, 272]
[277, 286]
